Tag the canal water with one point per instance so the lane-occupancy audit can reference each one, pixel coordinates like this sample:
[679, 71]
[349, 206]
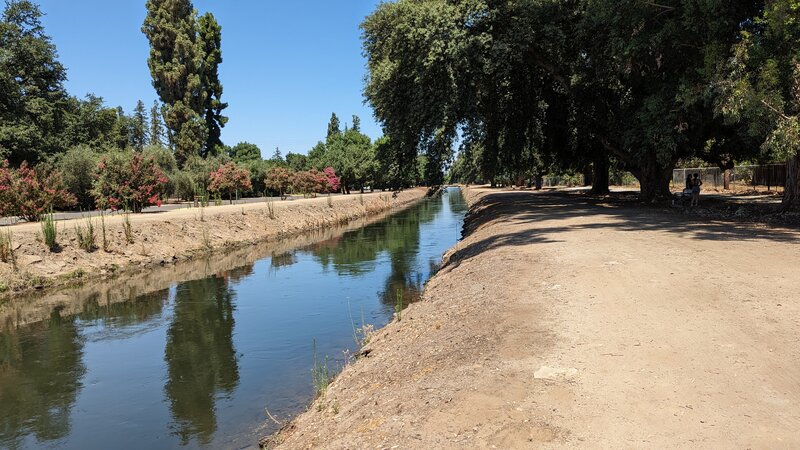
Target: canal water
[198, 363]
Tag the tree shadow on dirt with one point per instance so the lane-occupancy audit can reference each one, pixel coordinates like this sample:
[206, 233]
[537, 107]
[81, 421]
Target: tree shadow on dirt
[596, 213]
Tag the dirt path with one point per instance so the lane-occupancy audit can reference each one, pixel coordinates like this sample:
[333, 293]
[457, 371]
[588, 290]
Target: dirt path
[558, 322]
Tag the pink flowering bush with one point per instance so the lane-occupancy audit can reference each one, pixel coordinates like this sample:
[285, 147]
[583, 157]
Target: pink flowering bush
[126, 180]
[228, 179]
[30, 193]
[332, 182]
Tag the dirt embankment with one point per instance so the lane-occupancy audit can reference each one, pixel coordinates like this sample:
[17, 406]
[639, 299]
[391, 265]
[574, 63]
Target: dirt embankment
[564, 321]
[166, 238]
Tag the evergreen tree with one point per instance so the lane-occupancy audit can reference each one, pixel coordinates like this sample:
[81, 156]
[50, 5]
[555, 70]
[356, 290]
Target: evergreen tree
[356, 123]
[176, 63]
[210, 39]
[32, 95]
[138, 127]
[156, 127]
[333, 127]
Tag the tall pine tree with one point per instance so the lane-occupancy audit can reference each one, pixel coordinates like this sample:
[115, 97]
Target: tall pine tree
[156, 127]
[211, 39]
[333, 127]
[138, 127]
[176, 62]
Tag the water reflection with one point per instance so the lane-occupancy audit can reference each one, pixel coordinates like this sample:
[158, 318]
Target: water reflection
[40, 372]
[200, 354]
[194, 363]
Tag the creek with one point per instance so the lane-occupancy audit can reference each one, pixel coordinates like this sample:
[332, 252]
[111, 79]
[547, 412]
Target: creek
[196, 360]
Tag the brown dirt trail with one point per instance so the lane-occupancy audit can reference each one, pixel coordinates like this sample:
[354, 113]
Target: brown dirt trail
[560, 321]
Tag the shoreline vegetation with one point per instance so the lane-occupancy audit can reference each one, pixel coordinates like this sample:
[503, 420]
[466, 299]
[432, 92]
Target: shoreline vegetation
[547, 352]
[127, 244]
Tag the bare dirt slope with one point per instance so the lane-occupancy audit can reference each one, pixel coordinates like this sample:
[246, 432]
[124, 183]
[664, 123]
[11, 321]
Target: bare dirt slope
[561, 322]
[171, 236]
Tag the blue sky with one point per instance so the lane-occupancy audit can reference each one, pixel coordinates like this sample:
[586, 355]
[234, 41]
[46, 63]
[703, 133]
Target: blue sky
[286, 64]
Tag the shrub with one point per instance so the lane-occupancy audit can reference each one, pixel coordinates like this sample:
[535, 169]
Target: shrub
[309, 182]
[279, 179]
[332, 182]
[77, 167]
[183, 185]
[128, 180]
[30, 193]
[230, 178]
[6, 246]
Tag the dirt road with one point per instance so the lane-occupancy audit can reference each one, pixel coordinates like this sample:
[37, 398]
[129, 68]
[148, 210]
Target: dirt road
[562, 322]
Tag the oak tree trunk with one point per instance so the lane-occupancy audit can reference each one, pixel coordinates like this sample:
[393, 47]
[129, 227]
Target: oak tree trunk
[791, 192]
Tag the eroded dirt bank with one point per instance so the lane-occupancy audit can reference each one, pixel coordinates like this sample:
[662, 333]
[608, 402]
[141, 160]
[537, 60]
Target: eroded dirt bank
[170, 237]
[560, 321]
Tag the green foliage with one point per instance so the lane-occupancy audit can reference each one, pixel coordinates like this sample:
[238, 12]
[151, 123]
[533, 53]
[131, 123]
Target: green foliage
[50, 232]
[297, 161]
[176, 64]
[156, 126]
[138, 134]
[334, 127]
[183, 185]
[321, 374]
[31, 86]
[244, 152]
[77, 168]
[127, 228]
[210, 36]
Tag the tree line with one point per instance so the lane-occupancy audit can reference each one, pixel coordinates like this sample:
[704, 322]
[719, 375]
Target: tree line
[534, 86]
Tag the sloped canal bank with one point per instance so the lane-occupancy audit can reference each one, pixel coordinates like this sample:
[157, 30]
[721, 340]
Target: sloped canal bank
[197, 362]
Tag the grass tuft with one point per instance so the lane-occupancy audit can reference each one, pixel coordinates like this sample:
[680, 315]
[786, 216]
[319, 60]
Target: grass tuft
[320, 374]
[50, 232]
[398, 306]
[86, 235]
[6, 246]
[127, 228]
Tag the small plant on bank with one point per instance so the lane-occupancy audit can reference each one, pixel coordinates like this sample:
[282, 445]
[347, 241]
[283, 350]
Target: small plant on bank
[330, 201]
[6, 246]
[86, 235]
[320, 374]
[127, 229]
[271, 208]
[361, 199]
[398, 306]
[50, 232]
[103, 228]
[207, 240]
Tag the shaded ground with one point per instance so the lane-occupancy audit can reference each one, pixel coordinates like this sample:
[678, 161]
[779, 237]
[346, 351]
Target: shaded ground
[563, 320]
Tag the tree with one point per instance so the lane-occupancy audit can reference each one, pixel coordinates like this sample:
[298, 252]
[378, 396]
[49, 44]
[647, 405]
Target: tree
[77, 167]
[333, 126]
[279, 179]
[353, 156]
[211, 39]
[356, 123]
[230, 179]
[176, 65]
[244, 151]
[32, 95]
[277, 158]
[138, 131]
[760, 88]
[127, 180]
[297, 161]
[156, 126]
[332, 182]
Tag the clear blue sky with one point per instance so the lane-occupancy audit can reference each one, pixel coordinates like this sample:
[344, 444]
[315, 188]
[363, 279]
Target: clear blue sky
[286, 64]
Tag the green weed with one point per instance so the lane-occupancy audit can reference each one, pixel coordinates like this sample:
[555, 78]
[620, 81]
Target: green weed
[320, 374]
[86, 235]
[50, 232]
[127, 228]
[398, 306]
[6, 246]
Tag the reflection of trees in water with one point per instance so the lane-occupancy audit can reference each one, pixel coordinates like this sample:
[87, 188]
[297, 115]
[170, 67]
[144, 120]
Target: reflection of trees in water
[40, 371]
[281, 260]
[238, 273]
[136, 310]
[200, 355]
[398, 236]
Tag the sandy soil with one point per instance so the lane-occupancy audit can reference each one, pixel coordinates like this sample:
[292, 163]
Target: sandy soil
[169, 237]
[561, 321]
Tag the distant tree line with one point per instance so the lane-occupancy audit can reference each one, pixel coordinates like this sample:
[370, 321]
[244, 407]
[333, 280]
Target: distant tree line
[535, 86]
